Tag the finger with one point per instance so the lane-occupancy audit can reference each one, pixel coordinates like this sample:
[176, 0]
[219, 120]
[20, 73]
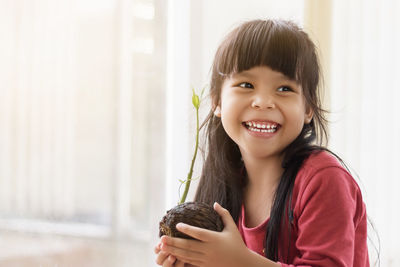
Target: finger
[183, 254]
[161, 257]
[192, 245]
[169, 262]
[225, 216]
[157, 248]
[196, 232]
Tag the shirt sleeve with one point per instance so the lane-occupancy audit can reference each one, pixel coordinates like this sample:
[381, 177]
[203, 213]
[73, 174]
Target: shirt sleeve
[326, 216]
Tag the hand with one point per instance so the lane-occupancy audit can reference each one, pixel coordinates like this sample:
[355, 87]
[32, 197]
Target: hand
[211, 249]
[166, 260]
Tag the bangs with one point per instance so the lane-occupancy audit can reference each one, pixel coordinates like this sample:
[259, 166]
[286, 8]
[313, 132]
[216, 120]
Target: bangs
[264, 43]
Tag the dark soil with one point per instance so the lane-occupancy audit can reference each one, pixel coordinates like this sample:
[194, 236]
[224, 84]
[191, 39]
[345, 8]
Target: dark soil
[192, 213]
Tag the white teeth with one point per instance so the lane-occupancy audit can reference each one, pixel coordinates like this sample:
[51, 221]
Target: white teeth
[261, 126]
[262, 130]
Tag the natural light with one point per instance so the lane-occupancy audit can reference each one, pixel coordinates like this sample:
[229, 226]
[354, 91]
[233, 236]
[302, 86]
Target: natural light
[97, 125]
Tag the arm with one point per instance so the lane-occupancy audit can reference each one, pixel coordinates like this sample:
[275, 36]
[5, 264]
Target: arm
[214, 249]
[329, 207]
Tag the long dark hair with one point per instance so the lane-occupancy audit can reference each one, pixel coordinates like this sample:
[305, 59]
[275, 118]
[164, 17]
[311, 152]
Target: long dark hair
[284, 47]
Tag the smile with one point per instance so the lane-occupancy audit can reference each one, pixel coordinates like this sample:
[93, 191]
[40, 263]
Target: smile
[261, 126]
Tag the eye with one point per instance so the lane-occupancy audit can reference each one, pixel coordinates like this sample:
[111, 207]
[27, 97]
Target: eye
[285, 89]
[245, 85]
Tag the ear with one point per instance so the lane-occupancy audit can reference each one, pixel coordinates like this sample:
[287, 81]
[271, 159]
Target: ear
[308, 115]
[217, 111]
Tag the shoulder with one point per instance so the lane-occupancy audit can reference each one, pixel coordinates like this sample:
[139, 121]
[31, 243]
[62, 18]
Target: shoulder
[319, 160]
[323, 180]
[322, 166]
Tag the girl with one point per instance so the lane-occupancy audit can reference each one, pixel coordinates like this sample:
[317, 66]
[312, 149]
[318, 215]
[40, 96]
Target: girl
[289, 202]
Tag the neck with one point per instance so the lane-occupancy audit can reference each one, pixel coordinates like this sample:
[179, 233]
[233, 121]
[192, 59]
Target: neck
[263, 178]
[263, 173]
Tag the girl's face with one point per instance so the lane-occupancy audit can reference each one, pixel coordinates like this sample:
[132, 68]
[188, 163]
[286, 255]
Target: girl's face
[262, 111]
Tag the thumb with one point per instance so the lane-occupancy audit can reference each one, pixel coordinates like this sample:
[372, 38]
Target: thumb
[225, 216]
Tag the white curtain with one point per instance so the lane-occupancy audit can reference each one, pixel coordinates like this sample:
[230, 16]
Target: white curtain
[82, 97]
[365, 126]
[37, 109]
[82, 100]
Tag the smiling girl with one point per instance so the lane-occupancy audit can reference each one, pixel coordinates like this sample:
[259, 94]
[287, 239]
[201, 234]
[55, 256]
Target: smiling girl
[288, 201]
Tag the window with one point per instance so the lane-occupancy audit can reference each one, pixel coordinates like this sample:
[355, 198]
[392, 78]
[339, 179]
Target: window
[82, 127]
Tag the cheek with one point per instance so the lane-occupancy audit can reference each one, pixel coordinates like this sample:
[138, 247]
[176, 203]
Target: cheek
[227, 119]
[297, 115]
[230, 118]
[228, 105]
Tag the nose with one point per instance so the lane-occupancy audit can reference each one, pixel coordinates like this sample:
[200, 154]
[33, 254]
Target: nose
[263, 101]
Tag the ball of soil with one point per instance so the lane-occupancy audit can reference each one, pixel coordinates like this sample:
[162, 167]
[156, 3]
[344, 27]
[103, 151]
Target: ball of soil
[192, 213]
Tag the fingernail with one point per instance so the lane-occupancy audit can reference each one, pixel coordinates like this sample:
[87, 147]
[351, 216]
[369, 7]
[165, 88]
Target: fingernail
[180, 225]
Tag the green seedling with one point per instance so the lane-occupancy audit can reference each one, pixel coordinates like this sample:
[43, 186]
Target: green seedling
[196, 101]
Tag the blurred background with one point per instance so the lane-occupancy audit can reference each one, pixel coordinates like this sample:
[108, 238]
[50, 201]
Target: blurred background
[96, 123]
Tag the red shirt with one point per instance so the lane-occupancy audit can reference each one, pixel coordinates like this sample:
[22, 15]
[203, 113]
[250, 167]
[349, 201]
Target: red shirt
[330, 224]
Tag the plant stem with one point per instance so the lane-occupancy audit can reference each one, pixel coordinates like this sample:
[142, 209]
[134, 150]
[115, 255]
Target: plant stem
[189, 177]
